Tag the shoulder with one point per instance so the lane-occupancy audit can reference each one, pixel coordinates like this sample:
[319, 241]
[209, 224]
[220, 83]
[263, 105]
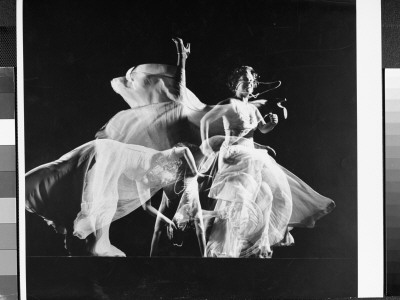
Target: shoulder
[228, 101]
[224, 106]
[258, 103]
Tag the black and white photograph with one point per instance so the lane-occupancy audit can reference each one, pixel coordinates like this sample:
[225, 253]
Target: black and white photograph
[190, 149]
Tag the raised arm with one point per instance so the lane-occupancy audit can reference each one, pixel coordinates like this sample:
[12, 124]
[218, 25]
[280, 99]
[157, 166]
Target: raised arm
[180, 75]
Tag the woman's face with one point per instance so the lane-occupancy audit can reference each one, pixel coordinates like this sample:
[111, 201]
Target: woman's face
[245, 85]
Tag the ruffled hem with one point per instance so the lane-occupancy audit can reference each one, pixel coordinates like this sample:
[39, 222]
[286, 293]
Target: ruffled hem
[249, 175]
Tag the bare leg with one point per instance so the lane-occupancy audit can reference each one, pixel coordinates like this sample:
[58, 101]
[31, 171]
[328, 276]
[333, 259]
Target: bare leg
[167, 208]
[154, 242]
[201, 237]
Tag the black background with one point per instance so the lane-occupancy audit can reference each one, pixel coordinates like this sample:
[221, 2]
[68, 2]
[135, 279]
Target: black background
[72, 49]
[390, 34]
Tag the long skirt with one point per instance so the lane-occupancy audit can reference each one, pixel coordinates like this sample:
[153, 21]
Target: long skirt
[262, 202]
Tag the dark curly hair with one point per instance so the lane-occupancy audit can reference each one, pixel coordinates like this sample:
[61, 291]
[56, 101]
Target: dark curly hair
[239, 72]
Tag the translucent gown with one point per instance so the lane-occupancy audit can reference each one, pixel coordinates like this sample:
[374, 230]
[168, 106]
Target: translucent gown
[97, 183]
[262, 199]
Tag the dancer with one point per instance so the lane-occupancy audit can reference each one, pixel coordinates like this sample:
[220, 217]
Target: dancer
[262, 199]
[183, 206]
[164, 112]
[99, 182]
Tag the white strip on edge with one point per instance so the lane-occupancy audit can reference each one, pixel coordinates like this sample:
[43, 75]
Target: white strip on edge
[21, 151]
[370, 149]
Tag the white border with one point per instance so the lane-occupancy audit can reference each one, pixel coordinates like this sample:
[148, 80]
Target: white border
[21, 151]
[369, 143]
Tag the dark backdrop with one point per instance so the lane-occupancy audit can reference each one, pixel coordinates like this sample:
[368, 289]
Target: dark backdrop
[72, 49]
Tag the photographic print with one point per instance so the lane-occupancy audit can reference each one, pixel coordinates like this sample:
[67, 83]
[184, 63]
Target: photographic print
[196, 150]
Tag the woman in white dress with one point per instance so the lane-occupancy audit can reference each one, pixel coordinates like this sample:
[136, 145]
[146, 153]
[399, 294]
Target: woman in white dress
[99, 182]
[163, 112]
[262, 200]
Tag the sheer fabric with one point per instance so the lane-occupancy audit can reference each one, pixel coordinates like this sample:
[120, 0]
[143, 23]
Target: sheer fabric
[241, 116]
[263, 201]
[107, 179]
[188, 213]
[159, 117]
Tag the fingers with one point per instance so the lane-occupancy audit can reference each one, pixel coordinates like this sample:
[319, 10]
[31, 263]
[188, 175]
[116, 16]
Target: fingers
[172, 224]
[176, 44]
[273, 118]
[267, 115]
[170, 232]
[181, 48]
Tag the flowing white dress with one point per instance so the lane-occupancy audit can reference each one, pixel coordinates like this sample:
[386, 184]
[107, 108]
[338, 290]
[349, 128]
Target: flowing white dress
[97, 183]
[264, 200]
[157, 118]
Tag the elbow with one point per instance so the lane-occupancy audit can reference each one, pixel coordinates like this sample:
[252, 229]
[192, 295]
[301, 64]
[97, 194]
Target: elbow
[263, 128]
[266, 128]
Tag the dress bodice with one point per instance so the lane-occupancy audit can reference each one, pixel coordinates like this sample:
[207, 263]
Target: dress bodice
[241, 118]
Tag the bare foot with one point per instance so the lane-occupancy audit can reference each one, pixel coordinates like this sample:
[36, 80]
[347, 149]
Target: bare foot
[110, 250]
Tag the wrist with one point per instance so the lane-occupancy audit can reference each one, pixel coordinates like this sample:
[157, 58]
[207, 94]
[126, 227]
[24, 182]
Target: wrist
[183, 55]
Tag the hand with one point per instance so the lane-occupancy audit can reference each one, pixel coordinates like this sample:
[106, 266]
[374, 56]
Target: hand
[273, 118]
[170, 230]
[172, 225]
[180, 47]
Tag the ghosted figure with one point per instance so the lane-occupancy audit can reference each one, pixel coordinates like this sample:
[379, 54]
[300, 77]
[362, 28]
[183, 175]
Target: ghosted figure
[262, 200]
[256, 202]
[85, 190]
